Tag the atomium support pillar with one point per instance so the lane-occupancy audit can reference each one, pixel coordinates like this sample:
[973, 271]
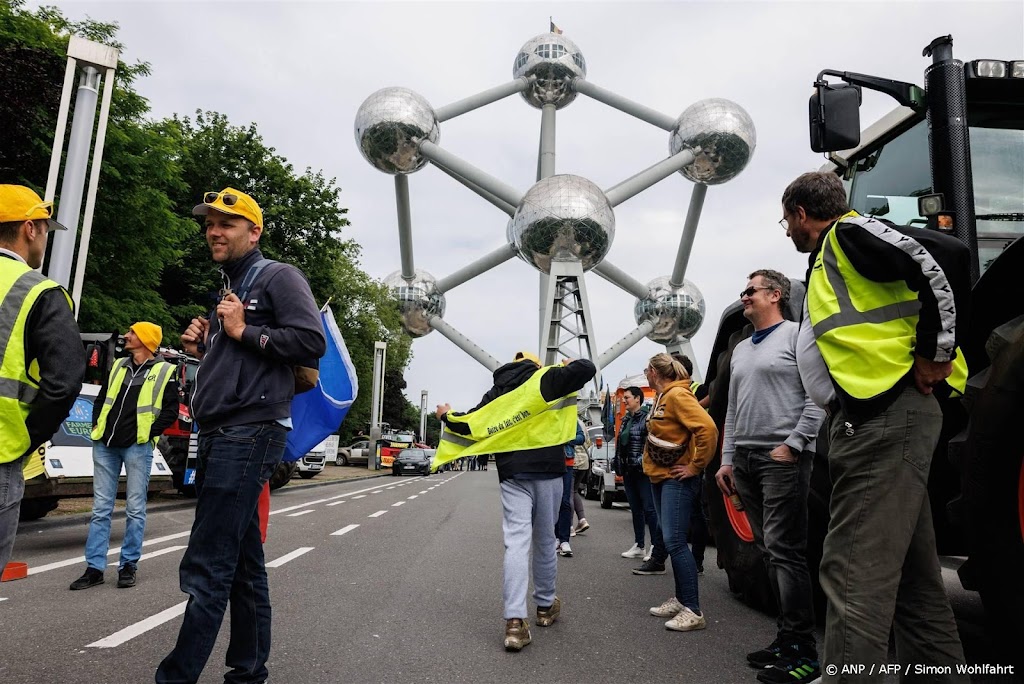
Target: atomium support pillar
[380, 350]
[567, 319]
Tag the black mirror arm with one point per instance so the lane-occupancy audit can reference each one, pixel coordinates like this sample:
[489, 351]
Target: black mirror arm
[907, 94]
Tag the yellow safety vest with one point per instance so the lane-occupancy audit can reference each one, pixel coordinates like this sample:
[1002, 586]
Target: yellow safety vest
[866, 331]
[150, 397]
[20, 288]
[515, 421]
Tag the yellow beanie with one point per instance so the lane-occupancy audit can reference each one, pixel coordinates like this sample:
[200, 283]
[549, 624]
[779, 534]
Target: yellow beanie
[150, 334]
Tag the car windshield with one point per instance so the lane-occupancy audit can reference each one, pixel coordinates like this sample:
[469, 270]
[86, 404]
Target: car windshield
[413, 455]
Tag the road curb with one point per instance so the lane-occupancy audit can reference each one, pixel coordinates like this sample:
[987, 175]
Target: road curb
[119, 514]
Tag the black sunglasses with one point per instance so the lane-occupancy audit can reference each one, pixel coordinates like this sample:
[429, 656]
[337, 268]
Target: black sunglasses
[749, 292]
[227, 198]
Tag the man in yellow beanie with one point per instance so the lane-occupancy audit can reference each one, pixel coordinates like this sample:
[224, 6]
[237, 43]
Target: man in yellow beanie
[43, 356]
[138, 401]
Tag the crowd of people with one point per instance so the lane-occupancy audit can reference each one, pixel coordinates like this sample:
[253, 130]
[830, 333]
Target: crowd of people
[869, 347]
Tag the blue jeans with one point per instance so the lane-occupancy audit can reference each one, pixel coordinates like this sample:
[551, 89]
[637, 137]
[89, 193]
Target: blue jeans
[137, 460]
[564, 524]
[641, 506]
[12, 489]
[224, 559]
[674, 500]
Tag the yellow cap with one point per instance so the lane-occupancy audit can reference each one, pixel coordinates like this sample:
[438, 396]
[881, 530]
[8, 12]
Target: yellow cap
[18, 203]
[231, 201]
[149, 334]
[527, 356]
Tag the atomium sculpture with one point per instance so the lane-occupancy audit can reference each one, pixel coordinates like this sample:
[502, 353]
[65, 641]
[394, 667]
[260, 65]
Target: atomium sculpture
[564, 225]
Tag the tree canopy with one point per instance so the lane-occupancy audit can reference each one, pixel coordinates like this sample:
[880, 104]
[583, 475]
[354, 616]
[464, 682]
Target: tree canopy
[154, 172]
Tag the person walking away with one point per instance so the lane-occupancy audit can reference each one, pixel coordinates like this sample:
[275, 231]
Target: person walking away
[137, 402]
[535, 408]
[879, 340]
[244, 387]
[767, 455]
[674, 466]
[43, 358]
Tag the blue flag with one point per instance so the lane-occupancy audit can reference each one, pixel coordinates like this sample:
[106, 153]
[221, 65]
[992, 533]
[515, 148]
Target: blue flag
[318, 412]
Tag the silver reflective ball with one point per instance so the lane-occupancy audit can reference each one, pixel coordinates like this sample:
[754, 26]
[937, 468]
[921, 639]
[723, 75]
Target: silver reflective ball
[389, 127]
[418, 300]
[725, 134]
[563, 218]
[554, 61]
[677, 312]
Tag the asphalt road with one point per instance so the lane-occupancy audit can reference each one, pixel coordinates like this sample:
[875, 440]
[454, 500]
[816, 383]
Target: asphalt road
[382, 580]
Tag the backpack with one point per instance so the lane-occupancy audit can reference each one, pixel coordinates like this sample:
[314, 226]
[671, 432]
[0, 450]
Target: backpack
[582, 452]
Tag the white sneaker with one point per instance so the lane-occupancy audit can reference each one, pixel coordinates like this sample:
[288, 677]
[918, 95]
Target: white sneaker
[564, 550]
[668, 609]
[583, 526]
[635, 551]
[686, 621]
[648, 553]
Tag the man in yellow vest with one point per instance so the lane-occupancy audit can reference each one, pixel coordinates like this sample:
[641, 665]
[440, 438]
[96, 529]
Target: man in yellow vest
[878, 341]
[138, 401]
[525, 420]
[43, 360]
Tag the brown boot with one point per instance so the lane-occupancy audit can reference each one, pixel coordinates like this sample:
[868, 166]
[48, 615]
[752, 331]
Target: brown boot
[547, 617]
[517, 634]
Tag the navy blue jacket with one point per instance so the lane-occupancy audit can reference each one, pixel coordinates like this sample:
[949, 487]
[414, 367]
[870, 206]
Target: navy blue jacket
[252, 380]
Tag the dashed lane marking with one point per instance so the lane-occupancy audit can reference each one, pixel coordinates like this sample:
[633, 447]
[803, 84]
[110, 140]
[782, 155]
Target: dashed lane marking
[161, 552]
[289, 556]
[361, 496]
[377, 514]
[295, 515]
[337, 502]
[398, 503]
[414, 496]
[141, 627]
[344, 530]
[112, 552]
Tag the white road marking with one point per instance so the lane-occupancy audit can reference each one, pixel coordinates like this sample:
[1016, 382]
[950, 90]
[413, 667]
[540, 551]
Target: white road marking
[377, 514]
[338, 502]
[330, 498]
[398, 503]
[295, 515]
[424, 491]
[289, 556]
[344, 530]
[2, 598]
[161, 552]
[376, 492]
[391, 487]
[414, 496]
[112, 552]
[132, 631]
[361, 496]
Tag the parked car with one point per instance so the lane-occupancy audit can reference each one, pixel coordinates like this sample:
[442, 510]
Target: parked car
[411, 462]
[602, 483]
[357, 454]
[313, 462]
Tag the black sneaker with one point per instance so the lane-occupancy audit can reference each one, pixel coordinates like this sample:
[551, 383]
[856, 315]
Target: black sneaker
[765, 657]
[651, 567]
[126, 576]
[90, 578]
[791, 670]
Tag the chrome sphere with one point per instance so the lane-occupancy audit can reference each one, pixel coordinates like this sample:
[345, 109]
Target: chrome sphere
[553, 61]
[725, 134]
[418, 300]
[677, 312]
[563, 218]
[389, 127]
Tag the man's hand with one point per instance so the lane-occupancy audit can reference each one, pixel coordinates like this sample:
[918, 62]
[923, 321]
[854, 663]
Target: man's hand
[683, 472]
[724, 479]
[928, 374]
[194, 334]
[232, 316]
[783, 454]
[442, 409]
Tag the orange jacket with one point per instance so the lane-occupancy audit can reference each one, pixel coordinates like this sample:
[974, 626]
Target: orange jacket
[677, 417]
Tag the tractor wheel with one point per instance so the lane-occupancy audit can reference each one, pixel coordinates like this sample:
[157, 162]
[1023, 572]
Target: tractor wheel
[993, 491]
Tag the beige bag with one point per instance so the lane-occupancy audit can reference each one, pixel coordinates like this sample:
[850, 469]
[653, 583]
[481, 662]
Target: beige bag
[664, 453]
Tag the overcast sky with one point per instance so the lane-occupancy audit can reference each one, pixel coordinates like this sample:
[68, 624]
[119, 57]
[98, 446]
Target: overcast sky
[301, 70]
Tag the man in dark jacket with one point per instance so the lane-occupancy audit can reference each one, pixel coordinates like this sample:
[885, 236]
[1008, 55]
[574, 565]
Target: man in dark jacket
[531, 490]
[48, 342]
[137, 402]
[242, 403]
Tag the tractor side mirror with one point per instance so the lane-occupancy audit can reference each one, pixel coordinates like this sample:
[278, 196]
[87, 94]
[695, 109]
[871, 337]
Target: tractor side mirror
[834, 116]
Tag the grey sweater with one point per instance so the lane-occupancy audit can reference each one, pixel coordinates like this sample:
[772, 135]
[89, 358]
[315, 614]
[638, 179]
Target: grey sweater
[768, 405]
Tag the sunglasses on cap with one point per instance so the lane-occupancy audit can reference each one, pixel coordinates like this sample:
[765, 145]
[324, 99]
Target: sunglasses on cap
[227, 198]
[46, 206]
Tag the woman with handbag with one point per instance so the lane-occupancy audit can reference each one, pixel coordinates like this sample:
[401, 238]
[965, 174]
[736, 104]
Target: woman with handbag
[681, 441]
